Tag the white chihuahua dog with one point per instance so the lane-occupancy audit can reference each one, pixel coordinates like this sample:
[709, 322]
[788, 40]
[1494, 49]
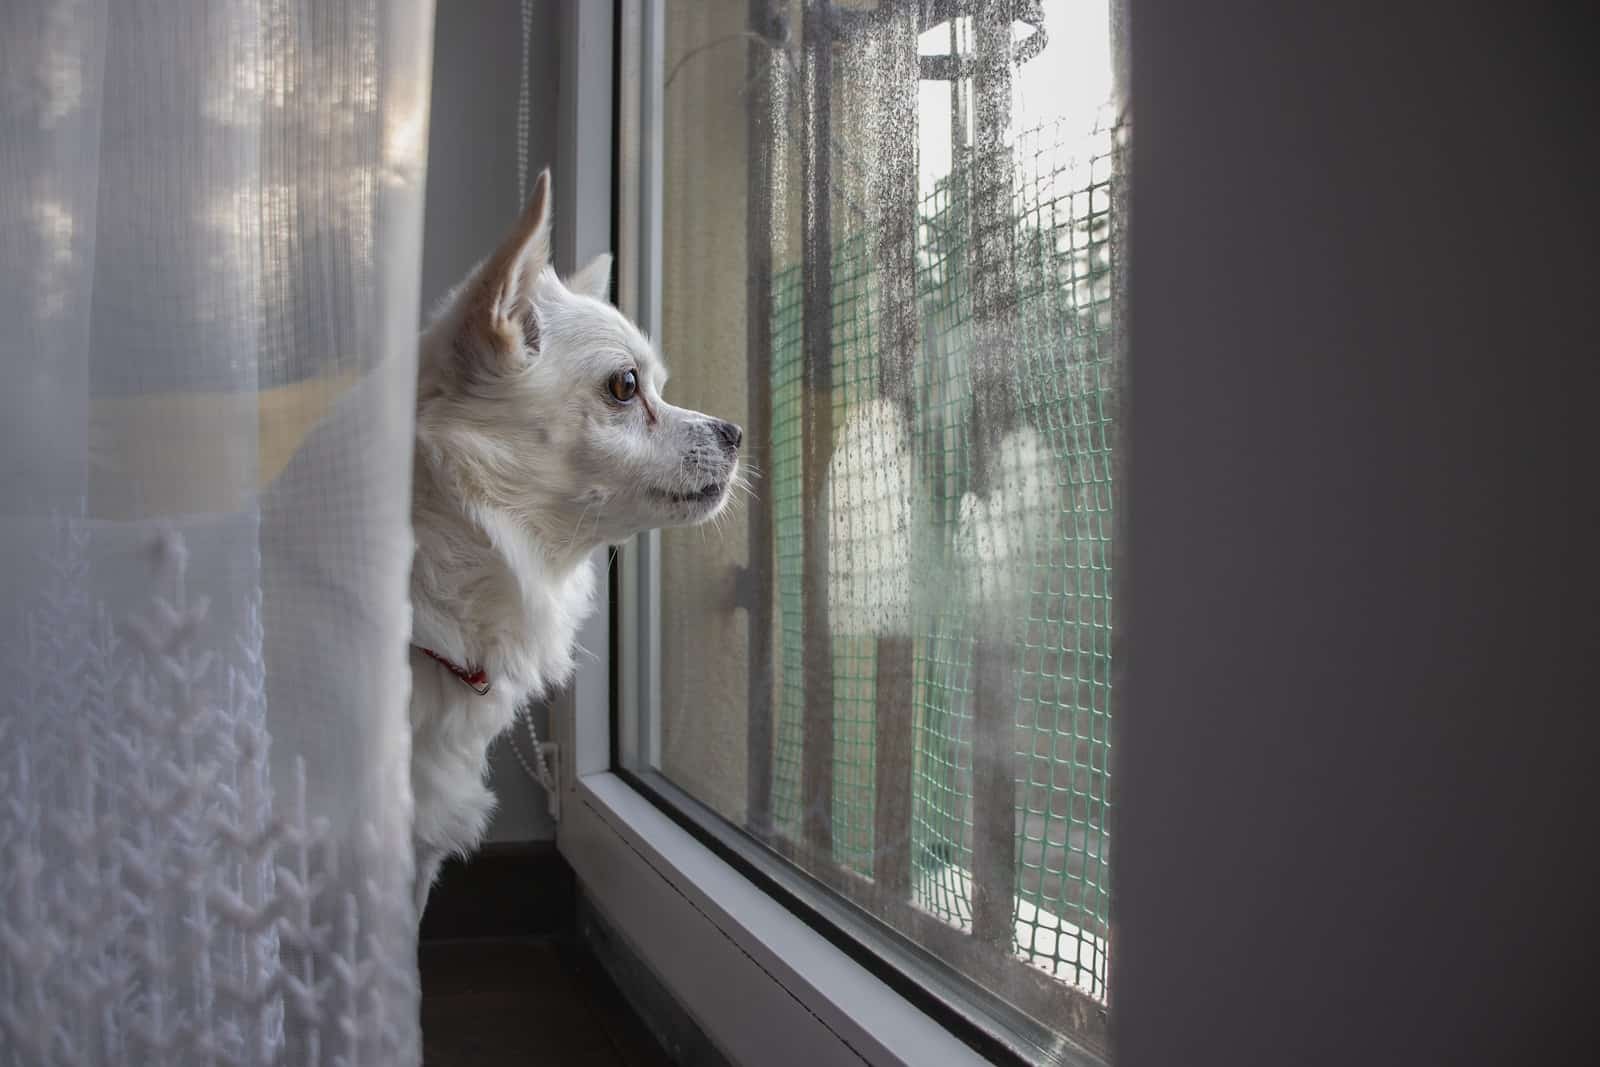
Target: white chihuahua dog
[541, 435]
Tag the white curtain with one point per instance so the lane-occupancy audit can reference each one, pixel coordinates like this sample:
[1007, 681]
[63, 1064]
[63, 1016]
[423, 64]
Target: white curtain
[210, 219]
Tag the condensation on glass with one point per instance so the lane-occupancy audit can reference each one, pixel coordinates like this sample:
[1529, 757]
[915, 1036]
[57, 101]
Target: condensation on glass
[891, 240]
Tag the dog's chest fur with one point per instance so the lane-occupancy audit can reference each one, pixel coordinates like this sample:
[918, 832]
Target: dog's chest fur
[482, 596]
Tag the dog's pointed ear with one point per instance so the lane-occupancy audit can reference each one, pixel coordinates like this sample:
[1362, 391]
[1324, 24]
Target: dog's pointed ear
[501, 316]
[594, 279]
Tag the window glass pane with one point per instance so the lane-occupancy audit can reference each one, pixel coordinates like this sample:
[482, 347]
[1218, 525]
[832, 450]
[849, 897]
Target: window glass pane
[891, 251]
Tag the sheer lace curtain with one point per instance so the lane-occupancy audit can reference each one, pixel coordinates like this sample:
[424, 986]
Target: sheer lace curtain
[210, 219]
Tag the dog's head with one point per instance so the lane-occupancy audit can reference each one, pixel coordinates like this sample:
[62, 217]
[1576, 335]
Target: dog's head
[543, 400]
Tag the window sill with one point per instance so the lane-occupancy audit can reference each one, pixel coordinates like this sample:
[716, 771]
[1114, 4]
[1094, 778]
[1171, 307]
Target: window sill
[762, 984]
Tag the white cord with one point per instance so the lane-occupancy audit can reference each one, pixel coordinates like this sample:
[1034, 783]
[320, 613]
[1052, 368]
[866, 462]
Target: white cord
[539, 770]
[524, 106]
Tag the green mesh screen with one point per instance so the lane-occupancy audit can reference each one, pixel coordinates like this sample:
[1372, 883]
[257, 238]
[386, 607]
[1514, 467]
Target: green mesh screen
[897, 520]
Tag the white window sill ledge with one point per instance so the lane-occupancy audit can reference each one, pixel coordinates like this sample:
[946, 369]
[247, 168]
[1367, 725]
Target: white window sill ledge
[762, 984]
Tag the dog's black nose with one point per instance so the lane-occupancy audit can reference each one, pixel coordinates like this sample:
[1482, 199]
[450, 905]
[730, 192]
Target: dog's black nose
[728, 433]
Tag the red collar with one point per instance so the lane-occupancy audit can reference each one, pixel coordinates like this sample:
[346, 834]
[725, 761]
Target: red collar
[477, 679]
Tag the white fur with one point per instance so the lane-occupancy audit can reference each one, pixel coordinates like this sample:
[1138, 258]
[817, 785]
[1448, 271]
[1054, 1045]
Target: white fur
[525, 463]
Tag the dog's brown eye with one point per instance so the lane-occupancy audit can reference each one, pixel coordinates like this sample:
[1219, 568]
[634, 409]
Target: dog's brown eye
[624, 385]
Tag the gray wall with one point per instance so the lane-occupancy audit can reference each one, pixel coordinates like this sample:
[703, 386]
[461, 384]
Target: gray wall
[471, 202]
[1356, 765]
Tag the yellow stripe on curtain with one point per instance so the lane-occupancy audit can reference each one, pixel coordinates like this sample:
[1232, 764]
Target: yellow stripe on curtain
[197, 453]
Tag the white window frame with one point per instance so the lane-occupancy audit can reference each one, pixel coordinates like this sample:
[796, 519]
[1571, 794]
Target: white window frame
[762, 983]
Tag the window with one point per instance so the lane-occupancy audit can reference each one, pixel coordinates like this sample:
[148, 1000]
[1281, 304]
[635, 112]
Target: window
[888, 245]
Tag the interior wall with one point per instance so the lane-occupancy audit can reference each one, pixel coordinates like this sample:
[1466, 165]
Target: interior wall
[1355, 766]
[471, 202]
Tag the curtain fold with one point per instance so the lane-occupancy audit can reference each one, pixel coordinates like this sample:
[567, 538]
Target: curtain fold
[210, 229]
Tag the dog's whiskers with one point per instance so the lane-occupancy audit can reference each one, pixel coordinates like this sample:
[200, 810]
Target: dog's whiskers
[577, 527]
